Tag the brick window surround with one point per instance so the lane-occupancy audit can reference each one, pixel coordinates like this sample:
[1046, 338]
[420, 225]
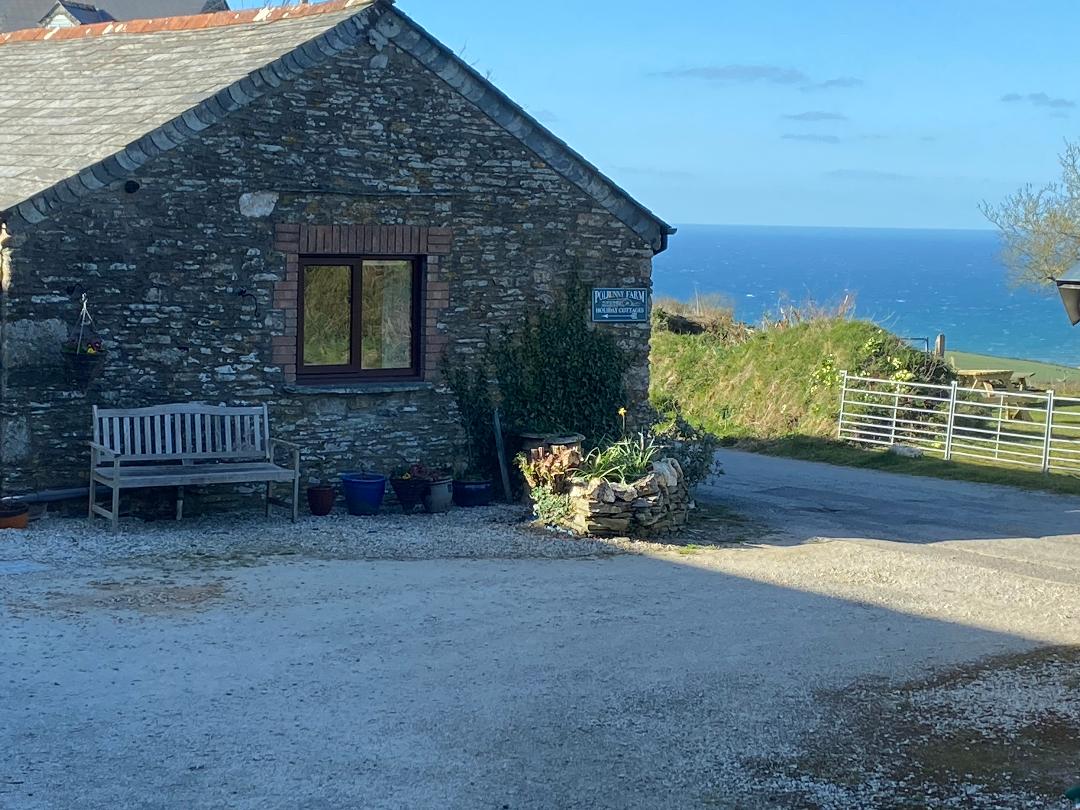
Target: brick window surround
[429, 244]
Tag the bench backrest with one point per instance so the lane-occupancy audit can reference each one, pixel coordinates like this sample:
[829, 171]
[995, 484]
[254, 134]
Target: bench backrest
[184, 432]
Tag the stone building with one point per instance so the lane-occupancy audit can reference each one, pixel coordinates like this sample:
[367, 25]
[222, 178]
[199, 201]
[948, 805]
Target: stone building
[18, 14]
[306, 206]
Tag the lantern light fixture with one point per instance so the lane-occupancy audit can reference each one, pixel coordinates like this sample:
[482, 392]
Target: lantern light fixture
[1069, 289]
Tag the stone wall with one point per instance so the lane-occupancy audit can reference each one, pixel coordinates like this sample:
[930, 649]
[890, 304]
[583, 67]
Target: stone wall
[166, 265]
[656, 504]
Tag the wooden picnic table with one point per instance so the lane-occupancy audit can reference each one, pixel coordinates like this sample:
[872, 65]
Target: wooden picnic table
[989, 379]
[997, 381]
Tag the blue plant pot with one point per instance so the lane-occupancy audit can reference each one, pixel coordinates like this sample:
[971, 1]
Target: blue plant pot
[363, 492]
[472, 493]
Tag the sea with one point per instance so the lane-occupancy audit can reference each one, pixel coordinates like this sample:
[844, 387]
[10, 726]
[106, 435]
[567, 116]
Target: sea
[916, 283]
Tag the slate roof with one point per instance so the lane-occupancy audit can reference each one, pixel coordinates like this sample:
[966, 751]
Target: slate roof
[84, 106]
[67, 103]
[16, 14]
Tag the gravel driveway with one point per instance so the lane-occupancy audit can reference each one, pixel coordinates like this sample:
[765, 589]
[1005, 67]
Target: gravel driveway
[188, 666]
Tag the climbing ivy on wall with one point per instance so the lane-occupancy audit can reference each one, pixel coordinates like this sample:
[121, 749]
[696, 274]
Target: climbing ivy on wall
[558, 373]
[554, 374]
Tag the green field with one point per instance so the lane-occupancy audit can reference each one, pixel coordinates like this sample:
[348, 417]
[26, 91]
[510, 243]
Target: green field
[830, 451]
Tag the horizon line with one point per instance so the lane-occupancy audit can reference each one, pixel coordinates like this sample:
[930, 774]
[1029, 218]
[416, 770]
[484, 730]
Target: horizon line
[834, 227]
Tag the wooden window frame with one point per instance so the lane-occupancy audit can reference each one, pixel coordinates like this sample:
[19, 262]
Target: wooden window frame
[319, 375]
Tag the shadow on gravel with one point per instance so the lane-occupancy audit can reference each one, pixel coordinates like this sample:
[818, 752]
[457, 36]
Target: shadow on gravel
[1004, 732]
[800, 500]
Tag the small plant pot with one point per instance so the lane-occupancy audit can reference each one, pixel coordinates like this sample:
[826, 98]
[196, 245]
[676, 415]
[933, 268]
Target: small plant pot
[320, 500]
[530, 441]
[439, 496]
[14, 516]
[410, 492]
[472, 493]
[363, 492]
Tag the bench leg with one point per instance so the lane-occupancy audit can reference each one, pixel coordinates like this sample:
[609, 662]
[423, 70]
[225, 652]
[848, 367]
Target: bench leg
[93, 497]
[114, 518]
[179, 503]
[269, 485]
[295, 498]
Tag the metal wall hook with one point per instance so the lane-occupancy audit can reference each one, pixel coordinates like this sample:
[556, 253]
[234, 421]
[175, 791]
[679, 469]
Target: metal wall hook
[244, 292]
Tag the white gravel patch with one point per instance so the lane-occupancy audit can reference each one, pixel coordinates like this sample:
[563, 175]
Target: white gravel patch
[1002, 703]
[494, 532]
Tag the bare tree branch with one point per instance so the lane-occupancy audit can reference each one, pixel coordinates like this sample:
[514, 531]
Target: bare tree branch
[1041, 227]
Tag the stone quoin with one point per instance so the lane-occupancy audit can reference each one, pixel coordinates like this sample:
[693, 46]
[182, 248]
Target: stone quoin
[197, 177]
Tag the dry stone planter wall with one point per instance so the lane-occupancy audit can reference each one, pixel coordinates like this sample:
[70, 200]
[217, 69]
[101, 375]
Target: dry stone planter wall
[655, 504]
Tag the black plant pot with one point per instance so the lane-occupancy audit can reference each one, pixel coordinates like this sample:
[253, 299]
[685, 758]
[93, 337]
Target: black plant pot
[472, 493]
[410, 492]
[320, 500]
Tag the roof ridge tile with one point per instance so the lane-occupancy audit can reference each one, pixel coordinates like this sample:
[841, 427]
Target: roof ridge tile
[190, 22]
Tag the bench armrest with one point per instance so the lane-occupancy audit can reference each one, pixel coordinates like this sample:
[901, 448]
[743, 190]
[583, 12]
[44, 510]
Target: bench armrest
[101, 450]
[294, 451]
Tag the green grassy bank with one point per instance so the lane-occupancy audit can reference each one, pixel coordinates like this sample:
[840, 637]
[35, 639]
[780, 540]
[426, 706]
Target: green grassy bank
[776, 390]
[763, 387]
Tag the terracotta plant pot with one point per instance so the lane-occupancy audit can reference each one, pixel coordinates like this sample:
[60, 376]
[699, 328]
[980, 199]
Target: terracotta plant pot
[14, 516]
[320, 500]
[439, 496]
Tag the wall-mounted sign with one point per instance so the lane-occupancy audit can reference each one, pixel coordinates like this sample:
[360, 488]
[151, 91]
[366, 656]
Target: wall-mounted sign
[620, 305]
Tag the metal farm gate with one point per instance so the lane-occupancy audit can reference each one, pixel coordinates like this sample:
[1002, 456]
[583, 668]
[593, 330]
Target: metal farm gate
[1029, 429]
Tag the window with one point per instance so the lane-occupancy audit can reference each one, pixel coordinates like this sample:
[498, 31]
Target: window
[359, 319]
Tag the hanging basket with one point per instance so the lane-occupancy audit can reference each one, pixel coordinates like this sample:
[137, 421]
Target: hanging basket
[83, 352]
[82, 368]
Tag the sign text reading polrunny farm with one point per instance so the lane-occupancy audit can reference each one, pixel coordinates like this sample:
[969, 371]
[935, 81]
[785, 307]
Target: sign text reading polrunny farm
[614, 305]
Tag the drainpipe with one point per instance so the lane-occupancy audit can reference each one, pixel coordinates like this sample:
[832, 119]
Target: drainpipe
[665, 232]
[47, 496]
[5, 281]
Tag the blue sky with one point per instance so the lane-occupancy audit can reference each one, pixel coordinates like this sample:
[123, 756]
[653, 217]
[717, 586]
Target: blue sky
[790, 113]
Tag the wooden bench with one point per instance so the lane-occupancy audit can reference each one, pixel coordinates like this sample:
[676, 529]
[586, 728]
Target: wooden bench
[185, 445]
